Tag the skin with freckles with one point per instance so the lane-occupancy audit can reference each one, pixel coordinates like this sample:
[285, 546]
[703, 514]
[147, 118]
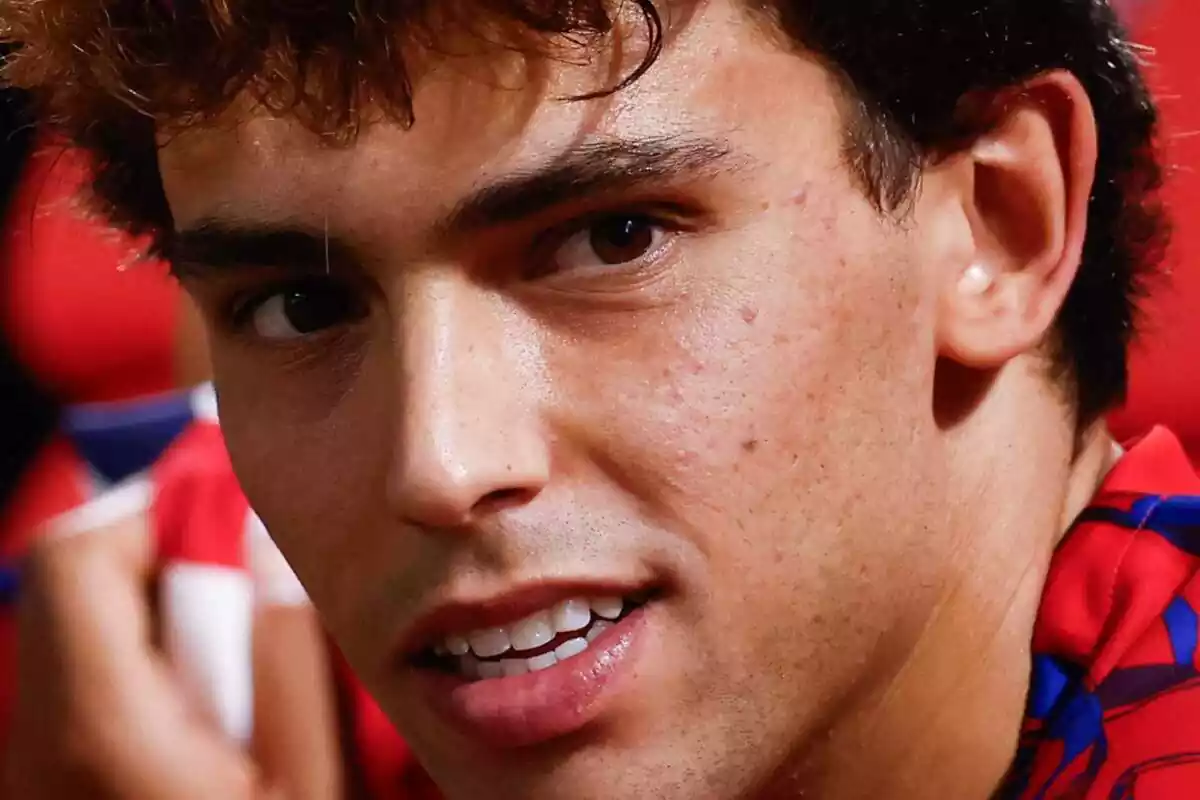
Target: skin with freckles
[663, 338]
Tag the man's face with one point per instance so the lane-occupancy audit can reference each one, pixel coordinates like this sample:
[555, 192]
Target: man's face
[657, 348]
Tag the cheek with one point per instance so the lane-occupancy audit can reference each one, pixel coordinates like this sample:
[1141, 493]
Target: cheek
[772, 373]
[769, 426]
[314, 474]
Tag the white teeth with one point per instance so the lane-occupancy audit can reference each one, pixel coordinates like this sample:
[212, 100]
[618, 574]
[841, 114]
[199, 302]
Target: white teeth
[572, 615]
[571, 647]
[491, 669]
[600, 627]
[474, 669]
[535, 631]
[539, 663]
[490, 642]
[531, 632]
[608, 607]
[514, 666]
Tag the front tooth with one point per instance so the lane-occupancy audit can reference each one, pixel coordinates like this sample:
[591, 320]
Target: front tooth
[571, 647]
[532, 632]
[457, 645]
[490, 642]
[572, 615]
[607, 607]
[490, 669]
[539, 663]
[514, 666]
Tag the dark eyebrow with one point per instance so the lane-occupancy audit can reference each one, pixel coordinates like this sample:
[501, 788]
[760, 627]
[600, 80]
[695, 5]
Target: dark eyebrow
[214, 245]
[590, 169]
[594, 168]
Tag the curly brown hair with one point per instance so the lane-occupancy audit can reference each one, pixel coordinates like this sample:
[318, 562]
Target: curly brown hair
[109, 73]
[115, 74]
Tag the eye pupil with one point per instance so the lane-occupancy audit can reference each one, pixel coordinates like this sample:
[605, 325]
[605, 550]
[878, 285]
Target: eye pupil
[306, 310]
[619, 240]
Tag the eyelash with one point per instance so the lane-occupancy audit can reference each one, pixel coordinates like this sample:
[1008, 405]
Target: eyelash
[669, 216]
[672, 218]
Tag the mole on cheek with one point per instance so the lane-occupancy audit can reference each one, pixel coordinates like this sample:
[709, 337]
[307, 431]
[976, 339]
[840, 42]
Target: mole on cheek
[749, 315]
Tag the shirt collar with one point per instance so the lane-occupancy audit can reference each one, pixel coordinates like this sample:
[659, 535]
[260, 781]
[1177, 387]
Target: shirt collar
[1154, 464]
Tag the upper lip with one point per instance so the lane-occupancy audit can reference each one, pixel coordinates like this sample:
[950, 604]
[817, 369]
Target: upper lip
[462, 616]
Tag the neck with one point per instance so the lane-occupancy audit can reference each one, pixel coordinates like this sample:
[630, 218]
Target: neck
[946, 722]
[1097, 455]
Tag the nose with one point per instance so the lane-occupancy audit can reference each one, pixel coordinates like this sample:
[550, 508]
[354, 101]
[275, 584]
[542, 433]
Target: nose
[469, 440]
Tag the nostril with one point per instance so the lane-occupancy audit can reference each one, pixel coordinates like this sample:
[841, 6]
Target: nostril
[501, 499]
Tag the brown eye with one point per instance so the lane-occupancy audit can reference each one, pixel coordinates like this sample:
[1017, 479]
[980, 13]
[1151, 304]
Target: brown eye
[620, 240]
[610, 242]
[298, 311]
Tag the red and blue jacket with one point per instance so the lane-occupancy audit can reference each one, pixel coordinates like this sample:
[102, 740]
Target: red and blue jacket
[1114, 700]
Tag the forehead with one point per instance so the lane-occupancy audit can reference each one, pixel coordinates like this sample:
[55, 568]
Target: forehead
[481, 117]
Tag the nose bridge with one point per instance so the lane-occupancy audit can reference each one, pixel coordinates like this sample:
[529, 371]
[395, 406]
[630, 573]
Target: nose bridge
[468, 434]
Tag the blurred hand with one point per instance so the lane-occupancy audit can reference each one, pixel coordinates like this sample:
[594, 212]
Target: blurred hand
[98, 712]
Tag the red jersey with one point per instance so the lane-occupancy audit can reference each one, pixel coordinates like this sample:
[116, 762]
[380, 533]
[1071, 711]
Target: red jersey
[1114, 702]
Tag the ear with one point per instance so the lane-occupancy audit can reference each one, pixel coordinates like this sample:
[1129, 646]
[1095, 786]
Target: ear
[1024, 189]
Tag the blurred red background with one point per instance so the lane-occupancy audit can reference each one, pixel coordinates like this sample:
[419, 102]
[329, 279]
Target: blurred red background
[1166, 379]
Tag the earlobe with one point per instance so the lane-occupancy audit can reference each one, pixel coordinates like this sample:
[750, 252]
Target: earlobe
[974, 318]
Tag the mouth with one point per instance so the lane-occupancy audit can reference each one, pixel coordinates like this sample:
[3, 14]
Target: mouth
[540, 665]
[534, 643]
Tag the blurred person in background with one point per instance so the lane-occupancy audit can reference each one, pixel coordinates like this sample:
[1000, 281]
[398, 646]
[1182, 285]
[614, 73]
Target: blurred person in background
[238, 667]
[99, 369]
[100, 350]
[113, 345]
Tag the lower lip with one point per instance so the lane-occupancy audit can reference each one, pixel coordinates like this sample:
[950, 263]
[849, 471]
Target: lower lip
[524, 710]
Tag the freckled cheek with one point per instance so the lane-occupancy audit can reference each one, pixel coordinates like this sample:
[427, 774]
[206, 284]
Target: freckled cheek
[686, 404]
